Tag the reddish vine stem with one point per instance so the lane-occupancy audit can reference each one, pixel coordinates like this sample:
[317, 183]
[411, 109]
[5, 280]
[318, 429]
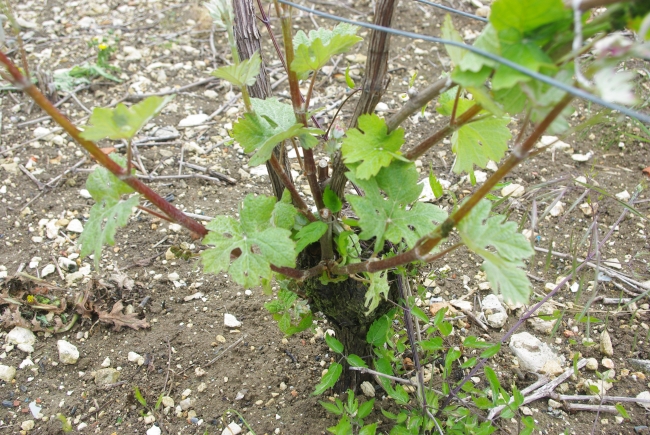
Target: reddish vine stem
[426, 244]
[452, 120]
[297, 199]
[439, 135]
[26, 86]
[296, 101]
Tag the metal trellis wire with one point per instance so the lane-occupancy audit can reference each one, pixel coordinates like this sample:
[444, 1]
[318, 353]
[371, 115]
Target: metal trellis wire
[535, 75]
[453, 11]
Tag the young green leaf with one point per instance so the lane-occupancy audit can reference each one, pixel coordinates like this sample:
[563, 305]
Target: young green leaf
[314, 51]
[526, 15]
[284, 213]
[389, 218]
[449, 32]
[348, 79]
[221, 12]
[503, 269]
[123, 122]
[491, 351]
[344, 427]
[432, 345]
[331, 200]
[334, 408]
[333, 343]
[494, 382]
[138, 396]
[272, 123]
[372, 145]
[356, 361]
[524, 53]
[369, 429]
[109, 212]
[329, 379]
[260, 245]
[436, 187]
[366, 408]
[376, 335]
[244, 74]
[377, 290]
[478, 142]
[309, 234]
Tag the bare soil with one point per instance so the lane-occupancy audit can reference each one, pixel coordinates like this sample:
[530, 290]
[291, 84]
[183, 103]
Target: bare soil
[266, 378]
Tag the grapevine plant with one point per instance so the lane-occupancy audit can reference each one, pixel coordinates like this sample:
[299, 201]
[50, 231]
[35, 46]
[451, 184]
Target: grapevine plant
[351, 254]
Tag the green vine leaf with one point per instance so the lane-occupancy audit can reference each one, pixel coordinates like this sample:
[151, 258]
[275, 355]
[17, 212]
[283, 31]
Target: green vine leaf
[389, 218]
[449, 32]
[271, 123]
[123, 122]
[372, 145]
[314, 51]
[309, 234]
[377, 290]
[526, 15]
[478, 142]
[478, 230]
[244, 74]
[109, 213]
[260, 243]
[329, 379]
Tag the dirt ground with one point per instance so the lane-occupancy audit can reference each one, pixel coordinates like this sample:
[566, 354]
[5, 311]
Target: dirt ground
[187, 350]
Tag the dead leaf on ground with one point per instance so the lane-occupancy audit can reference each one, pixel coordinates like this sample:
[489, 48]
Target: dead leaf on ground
[119, 319]
[437, 306]
[647, 171]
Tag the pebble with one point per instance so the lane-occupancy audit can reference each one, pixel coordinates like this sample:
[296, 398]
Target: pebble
[27, 425]
[495, 313]
[592, 364]
[644, 395]
[154, 430]
[514, 190]
[75, 226]
[534, 355]
[606, 347]
[84, 193]
[368, 389]
[176, 228]
[135, 357]
[586, 209]
[248, 293]
[42, 133]
[381, 107]
[221, 339]
[554, 404]
[231, 321]
[483, 11]
[173, 276]
[232, 429]
[193, 120]
[7, 373]
[106, 362]
[557, 209]
[582, 157]
[48, 270]
[68, 352]
[106, 376]
[23, 338]
[67, 265]
[642, 364]
[608, 363]
[132, 53]
[82, 426]
[35, 410]
[186, 404]
[623, 196]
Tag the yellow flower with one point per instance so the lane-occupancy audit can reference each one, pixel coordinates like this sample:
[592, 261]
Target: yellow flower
[102, 46]
[31, 299]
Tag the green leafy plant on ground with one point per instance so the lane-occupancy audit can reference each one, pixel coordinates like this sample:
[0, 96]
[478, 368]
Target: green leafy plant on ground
[351, 255]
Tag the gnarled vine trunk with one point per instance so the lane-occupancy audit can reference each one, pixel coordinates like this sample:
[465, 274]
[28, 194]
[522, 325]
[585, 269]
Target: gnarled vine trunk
[248, 42]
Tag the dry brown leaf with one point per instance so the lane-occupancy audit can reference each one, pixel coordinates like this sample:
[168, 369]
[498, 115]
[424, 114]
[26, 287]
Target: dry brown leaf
[647, 171]
[83, 305]
[119, 319]
[437, 306]
[11, 317]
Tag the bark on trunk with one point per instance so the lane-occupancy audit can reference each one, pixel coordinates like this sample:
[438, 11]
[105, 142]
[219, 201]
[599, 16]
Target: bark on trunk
[248, 42]
[374, 84]
[343, 304]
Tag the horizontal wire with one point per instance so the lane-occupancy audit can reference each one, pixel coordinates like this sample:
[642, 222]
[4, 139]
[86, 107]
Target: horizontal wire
[540, 77]
[453, 11]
